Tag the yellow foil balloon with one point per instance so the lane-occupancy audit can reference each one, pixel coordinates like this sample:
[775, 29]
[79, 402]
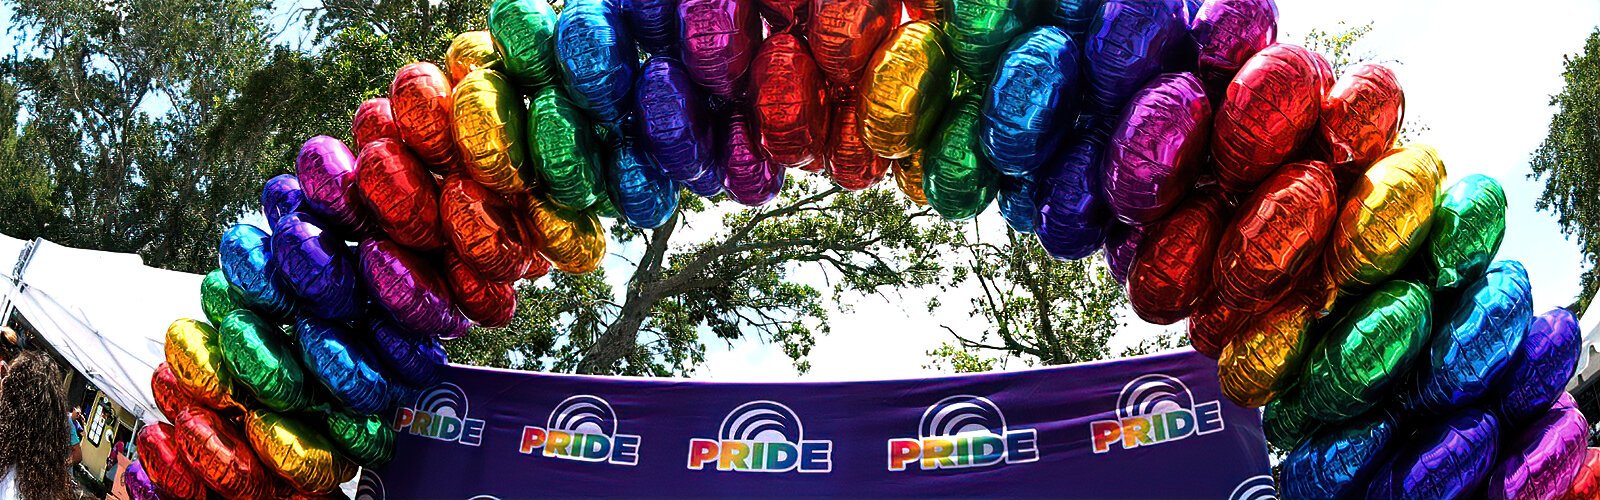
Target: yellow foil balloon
[194, 353]
[296, 452]
[488, 122]
[905, 86]
[574, 241]
[908, 175]
[1265, 358]
[1385, 217]
[470, 51]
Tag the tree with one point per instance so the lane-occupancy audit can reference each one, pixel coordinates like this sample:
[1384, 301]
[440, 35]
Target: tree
[1569, 161]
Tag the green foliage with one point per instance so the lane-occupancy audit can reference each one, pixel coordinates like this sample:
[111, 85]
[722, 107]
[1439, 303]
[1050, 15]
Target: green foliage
[1569, 160]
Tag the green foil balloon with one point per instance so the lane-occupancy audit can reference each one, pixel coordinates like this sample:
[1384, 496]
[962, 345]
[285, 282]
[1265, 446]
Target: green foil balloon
[364, 438]
[524, 33]
[217, 297]
[980, 30]
[263, 360]
[564, 152]
[1372, 346]
[1286, 421]
[1468, 225]
[956, 179]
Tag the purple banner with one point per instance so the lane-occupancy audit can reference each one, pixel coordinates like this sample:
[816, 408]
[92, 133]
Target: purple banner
[1148, 427]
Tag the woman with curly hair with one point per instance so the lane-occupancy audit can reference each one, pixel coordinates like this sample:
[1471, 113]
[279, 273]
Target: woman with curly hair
[33, 455]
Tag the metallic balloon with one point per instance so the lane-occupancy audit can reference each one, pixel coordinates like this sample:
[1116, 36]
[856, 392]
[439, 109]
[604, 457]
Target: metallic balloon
[1286, 423]
[574, 241]
[170, 394]
[1213, 325]
[137, 483]
[1172, 271]
[1367, 352]
[980, 30]
[1227, 33]
[748, 176]
[638, 187]
[1271, 105]
[1018, 201]
[707, 185]
[598, 58]
[1032, 100]
[844, 34]
[789, 102]
[221, 457]
[904, 90]
[785, 16]
[1539, 371]
[1360, 118]
[654, 24]
[488, 303]
[908, 176]
[1157, 148]
[956, 178]
[1473, 349]
[317, 267]
[420, 94]
[672, 120]
[1587, 483]
[415, 360]
[217, 297]
[406, 285]
[374, 120]
[1277, 236]
[524, 33]
[719, 39]
[1545, 459]
[194, 353]
[343, 364]
[297, 452]
[363, 438]
[281, 195]
[1336, 463]
[401, 195]
[1122, 246]
[488, 129]
[1468, 225]
[563, 150]
[263, 360]
[166, 464]
[850, 163]
[1129, 43]
[925, 10]
[1447, 459]
[327, 172]
[1074, 16]
[485, 231]
[1385, 218]
[470, 51]
[1264, 359]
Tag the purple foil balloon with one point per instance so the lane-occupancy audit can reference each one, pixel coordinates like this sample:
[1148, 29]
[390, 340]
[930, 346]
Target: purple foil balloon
[327, 172]
[416, 360]
[719, 39]
[1544, 460]
[1072, 214]
[672, 120]
[707, 185]
[138, 484]
[408, 287]
[1227, 33]
[281, 195]
[748, 177]
[1122, 245]
[654, 24]
[1152, 158]
[1130, 42]
[1540, 369]
[1448, 459]
[318, 268]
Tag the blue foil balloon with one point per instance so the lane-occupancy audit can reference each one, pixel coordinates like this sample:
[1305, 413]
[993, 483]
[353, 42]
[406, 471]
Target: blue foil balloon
[1539, 372]
[318, 268]
[1073, 216]
[281, 195]
[707, 185]
[1018, 197]
[1074, 16]
[1129, 42]
[653, 23]
[598, 57]
[644, 195]
[1467, 353]
[245, 254]
[1031, 101]
[415, 359]
[672, 120]
[343, 364]
[1447, 459]
[1336, 464]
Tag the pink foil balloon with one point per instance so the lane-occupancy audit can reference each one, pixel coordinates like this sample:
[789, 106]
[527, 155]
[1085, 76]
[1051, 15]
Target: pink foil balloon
[1156, 151]
[719, 40]
[749, 177]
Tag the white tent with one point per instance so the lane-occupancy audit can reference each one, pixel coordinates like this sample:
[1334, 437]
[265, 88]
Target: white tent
[1588, 363]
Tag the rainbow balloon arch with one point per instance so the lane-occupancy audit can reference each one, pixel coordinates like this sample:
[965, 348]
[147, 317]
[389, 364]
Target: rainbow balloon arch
[1227, 179]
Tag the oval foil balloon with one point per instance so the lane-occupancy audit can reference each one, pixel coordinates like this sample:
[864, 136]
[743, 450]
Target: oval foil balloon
[415, 360]
[420, 95]
[956, 178]
[297, 452]
[1539, 371]
[789, 102]
[338, 359]
[1075, 16]
[719, 39]
[217, 297]
[1446, 459]
[980, 30]
[1172, 272]
[137, 483]
[470, 51]
[405, 285]
[221, 457]
[785, 16]
[1122, 246]
[363, 438]
[1017, 198]
[488, 128]
[906, 86]
[1386, 217]
[575, 242]
[1264, 359]
[653, 23]
[1360, 118]
[908, 177]
[488, 303]
[844, 33]
[1285, 423]
[1032, 99]
[373, 120]
[851, 164]
[1472, 350]
[563, 148]
[165, 463]
[748, 176]
[327, 173]
[1213, 325]
[925, 10]
[280, 195]
[170, 394]
[1587, 482]
[1360, 359]
[400, 194]
[318, 268]
[1129, 43]
[708, 185]
[194, 352]
[262, 359]
[1227, 33]
[1156, 150]
[1545, 459]
[1468, 225]
[674, 127]
[1278, 234]
[644, 195]
[524, 33]
[484, 230]
[598, 58]
[1271, 105]
[1337, 463]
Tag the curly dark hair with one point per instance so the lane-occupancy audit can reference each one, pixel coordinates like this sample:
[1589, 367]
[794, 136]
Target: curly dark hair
[33, 415]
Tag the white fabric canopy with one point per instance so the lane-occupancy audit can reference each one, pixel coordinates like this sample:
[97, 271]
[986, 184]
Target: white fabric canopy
[1588, 363]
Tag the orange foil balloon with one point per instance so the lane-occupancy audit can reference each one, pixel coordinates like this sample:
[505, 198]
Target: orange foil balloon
[221, 456]
[483, 229]
[166, 465]
[420, 95]
[1214, 325]
[374, 120]
[1271, 105]
[908, 175]
[488, 303]
[1279, 231]
[573, 241]
[171, 396]
[925, 10]
[539, 266]
[790, 102]
[1360, 118]
[851, 164]
[1172, 271]
[470, 51]
[489, 121]
[296, 452]
[844, 33]
[1264, 359]
[400, 194]
[906, 85]
[195, 356]
[1386, 216]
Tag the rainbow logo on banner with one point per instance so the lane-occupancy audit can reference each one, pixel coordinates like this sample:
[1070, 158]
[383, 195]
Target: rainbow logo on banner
[583, 428]
[960, 432]
[1255, 488]
[761, 436]
[441, 414]
[370, 487]
[1155, 409]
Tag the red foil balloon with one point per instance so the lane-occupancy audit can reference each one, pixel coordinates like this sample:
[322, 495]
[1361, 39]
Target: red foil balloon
[1270, 107]
[844, 33]
[221, 457]
[1587, 484]
[374, 120]
[851, 164]
[1214, 325]
[488, 303]
[1279, 232]
[420, 95]
[1360, 118]
[786, 16]
[538, 266]
[166, 465]
[484, 230]
[1172, 271]
[171, 396]
[401, 194]
[790, 102]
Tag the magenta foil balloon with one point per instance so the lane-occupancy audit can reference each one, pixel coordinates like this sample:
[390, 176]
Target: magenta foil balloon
[1446, 459]
[1155, 153]
[673, 121]
[318, 268]
[1129, 42]
[1072, 214]
[1122, 245]
[281, 195]
[327, 173]
[1544, 460]
[1227, 33]
[748, 177]
[138, 484]
[719, 40]
[408, 287]
[1540, 369]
